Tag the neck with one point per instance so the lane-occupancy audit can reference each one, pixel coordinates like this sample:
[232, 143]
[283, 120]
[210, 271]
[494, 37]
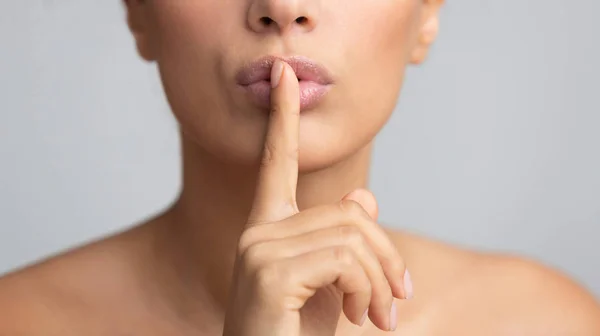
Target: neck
[201, 230]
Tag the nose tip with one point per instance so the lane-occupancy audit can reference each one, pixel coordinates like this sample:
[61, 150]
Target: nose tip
[281, 16]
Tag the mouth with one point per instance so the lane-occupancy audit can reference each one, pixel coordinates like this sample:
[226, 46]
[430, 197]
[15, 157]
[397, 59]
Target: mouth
[314, 80]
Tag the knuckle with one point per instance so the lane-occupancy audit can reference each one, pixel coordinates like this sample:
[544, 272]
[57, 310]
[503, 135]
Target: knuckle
[270, 275]
[269, 151]
[396, 263]
[275, 283]
[275, 109]
[343, 255]
[350, 235]
[289, 206]
[392, 260]
[252, 258]
[368, 288]
[384, 293]
[272, 149]
[247, 239]
[365, 286]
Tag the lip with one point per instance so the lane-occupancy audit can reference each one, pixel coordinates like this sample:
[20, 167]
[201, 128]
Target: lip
[314, 80]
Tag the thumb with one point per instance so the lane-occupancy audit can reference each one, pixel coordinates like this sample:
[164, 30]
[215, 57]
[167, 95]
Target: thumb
[366, 199]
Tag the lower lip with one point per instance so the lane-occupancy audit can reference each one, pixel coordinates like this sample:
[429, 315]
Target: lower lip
[311, 93]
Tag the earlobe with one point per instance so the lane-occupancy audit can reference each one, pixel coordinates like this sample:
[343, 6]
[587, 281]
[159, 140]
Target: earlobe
[427, 36]
[428, 32]
[137, 21]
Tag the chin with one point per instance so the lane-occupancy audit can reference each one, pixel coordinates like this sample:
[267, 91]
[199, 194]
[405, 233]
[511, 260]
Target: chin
[241, 144]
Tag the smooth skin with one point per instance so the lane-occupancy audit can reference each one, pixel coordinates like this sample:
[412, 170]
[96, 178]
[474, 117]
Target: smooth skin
[287, 257]
[274, 232]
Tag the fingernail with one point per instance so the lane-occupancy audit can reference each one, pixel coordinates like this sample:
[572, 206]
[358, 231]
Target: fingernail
[364, 317]
[408, 286]
[393, 317]
[276, 73]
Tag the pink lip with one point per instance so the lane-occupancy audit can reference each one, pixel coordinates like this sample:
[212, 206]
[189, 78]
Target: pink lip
[314, 80]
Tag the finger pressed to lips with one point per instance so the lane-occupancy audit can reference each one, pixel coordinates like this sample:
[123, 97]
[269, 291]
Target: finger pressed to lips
[275, 197]
[337, 243]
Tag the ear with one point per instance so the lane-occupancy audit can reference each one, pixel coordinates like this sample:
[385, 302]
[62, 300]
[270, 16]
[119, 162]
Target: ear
[428, 31]
[138, 20]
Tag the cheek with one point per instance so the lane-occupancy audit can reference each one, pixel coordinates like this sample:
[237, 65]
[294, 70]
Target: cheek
[191, 42]
[184, 45]
[382, 37]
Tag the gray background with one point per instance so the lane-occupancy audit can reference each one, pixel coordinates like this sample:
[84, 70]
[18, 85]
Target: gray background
[495, 144]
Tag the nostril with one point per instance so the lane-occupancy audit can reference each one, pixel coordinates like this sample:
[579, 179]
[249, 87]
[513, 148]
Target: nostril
[301, 20]
[266, 20]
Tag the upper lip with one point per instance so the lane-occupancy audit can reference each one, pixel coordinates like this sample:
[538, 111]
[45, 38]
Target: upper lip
[305, 69]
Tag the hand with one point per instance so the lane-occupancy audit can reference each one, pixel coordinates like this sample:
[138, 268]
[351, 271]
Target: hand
[294, 265]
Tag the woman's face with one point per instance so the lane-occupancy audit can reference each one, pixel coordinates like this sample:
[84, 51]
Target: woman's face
[200, 46]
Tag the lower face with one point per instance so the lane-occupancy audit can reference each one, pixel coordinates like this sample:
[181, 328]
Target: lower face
[202, 44]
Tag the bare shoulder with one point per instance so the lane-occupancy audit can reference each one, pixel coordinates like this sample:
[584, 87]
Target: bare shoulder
[57, 291]
[34, 298]
[26, 301]
[478, 293]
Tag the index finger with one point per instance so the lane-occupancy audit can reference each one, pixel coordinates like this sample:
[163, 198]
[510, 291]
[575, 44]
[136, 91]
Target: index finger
[275, 196]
